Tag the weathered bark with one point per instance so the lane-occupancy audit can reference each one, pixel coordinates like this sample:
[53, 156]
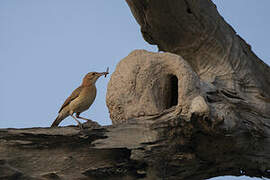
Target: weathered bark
[239, 97]
[195, 30]
[220, 124]
[140, 149]
[214, 131]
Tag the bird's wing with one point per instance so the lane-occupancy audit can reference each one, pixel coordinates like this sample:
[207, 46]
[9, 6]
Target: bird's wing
[73, 96]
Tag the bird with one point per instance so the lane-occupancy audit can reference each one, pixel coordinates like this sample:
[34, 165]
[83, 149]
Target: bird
[80, 99]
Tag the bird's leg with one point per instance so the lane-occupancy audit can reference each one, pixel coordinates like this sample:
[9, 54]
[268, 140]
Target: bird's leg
[89, 123]
[79, 117]
[79, 123]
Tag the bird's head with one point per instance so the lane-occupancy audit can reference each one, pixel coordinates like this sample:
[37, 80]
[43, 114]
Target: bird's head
[92, 77]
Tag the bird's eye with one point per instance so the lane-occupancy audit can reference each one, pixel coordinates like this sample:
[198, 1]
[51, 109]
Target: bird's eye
[94, 73]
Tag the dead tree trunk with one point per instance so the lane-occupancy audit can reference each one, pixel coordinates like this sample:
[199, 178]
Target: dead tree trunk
[241, 81]
[200, 110]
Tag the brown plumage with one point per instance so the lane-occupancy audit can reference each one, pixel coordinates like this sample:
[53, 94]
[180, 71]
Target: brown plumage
[80, 99]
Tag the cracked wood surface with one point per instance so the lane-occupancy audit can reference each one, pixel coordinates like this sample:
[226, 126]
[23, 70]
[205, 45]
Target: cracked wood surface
[170, 148]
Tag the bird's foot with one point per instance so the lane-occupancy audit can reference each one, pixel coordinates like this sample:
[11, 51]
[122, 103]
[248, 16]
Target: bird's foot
[80, 125]
[91, 124]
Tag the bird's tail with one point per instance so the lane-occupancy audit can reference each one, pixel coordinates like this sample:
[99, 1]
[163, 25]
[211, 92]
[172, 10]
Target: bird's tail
[57, 121]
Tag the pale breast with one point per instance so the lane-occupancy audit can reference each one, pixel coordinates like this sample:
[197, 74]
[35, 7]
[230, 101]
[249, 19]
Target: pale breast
[84, 100]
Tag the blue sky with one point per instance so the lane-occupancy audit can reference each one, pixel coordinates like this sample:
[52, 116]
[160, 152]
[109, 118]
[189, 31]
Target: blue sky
[46, 47]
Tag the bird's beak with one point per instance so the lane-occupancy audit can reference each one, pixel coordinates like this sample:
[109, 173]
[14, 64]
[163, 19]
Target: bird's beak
[104, 73]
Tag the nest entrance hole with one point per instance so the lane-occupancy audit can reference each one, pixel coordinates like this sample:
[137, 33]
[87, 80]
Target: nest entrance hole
[172, 91]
